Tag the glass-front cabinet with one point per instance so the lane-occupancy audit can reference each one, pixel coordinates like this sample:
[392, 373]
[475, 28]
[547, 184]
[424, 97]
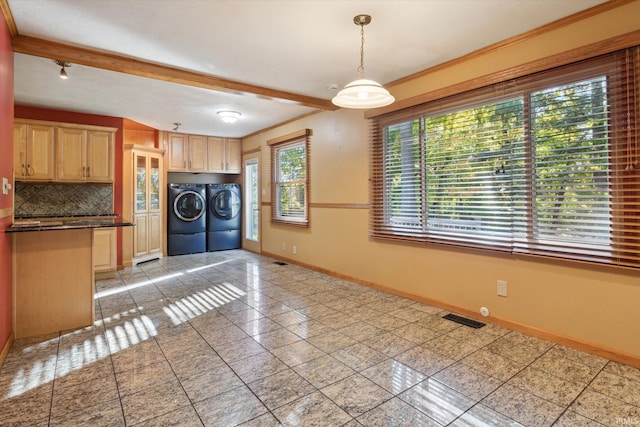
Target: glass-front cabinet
[146, 202]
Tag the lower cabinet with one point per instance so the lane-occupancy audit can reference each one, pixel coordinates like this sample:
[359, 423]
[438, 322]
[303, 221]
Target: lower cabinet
[147, 242]
[105, 252]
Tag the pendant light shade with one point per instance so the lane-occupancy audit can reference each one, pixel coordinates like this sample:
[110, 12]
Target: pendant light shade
[363, 93]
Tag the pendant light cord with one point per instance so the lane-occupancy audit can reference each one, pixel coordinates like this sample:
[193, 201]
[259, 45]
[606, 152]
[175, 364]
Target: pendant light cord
[361, 67]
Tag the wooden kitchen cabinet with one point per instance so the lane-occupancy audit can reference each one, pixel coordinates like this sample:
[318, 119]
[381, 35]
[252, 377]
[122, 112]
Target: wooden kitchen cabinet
[199, 153]
[84, 154]
[177, 152]
[33, 151]
[143, 201]
[105, 252]
[224, 154]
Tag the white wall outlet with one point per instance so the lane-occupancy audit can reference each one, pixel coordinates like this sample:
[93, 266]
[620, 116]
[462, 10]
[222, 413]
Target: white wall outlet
[284, 247]
[6, 186]
[294, 250]
[502, 288]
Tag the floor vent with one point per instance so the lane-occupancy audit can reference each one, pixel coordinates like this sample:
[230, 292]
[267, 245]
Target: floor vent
[280, 263]
[464, 321]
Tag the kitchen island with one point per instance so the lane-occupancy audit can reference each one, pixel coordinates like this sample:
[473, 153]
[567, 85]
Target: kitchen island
[53, 273]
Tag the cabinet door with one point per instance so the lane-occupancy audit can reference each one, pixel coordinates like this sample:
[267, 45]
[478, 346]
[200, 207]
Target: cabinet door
[233, 155]
[197, 153]
[19, 150]
[216, 154]
[140, 243]
[104, 249]
[39, 150]
[71, 154]
[154, 233]
[177, 152]
[99, 156]
[155, 184]
[140, 184]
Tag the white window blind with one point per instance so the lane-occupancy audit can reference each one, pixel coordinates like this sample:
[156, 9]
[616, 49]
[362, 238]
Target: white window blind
[546, 165]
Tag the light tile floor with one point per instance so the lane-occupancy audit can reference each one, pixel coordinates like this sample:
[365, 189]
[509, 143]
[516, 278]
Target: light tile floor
[230, 338]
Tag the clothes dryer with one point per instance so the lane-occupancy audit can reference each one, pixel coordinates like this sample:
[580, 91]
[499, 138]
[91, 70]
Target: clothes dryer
[224, 216]
[186, 219]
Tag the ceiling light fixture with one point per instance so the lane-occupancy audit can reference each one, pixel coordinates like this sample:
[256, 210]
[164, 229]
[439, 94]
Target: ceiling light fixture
[229, 116]
[63, 72]
[177, 125]
[362, 93]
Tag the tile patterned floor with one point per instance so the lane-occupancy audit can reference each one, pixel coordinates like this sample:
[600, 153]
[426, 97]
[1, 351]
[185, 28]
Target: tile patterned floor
[230, 338]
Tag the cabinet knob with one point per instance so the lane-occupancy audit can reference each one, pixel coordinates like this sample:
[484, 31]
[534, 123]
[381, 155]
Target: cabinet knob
[84, 172]
[24, 171]
[29, 170]
[88, 171]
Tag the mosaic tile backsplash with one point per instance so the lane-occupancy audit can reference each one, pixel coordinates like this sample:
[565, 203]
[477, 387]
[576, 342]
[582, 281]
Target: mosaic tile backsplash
[59, 200]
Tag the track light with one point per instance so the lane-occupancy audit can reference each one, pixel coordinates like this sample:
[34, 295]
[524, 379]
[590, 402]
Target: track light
[63, 72]
[177, 125]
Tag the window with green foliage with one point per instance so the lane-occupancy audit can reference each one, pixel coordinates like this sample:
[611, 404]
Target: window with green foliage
[543, 165]
[290, 184]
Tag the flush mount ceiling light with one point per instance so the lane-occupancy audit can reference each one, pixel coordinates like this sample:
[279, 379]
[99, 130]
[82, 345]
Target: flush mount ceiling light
[229, 116]
[362, 93]
[63, 72]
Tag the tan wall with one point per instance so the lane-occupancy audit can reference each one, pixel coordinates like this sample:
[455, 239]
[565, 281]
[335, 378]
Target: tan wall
[592, 305]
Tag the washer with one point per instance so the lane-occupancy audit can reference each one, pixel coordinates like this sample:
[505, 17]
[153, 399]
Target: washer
[224, 216]
[186, 219]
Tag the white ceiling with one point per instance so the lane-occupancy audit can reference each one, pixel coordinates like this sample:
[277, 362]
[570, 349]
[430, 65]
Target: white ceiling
[297, 46]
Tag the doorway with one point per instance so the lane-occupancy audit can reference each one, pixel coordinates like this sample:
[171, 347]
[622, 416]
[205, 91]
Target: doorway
[251, 234]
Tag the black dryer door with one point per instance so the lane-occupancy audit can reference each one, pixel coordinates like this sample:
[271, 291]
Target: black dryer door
[226, 204]
[189, 206]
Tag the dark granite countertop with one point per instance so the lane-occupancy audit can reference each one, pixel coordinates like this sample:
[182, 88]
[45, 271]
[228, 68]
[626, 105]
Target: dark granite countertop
[67, 223]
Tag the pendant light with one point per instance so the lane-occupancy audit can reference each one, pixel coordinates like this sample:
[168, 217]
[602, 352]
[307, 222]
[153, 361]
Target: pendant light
[362, 93]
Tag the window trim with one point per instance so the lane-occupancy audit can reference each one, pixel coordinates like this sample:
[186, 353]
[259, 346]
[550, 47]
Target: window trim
[379, 229]
[276, 144]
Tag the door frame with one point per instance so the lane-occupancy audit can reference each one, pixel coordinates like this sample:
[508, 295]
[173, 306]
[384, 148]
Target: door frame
[248, 244]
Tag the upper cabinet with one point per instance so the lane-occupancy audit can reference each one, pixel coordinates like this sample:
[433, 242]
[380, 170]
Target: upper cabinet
[198, 153]
[80, 153]
[33, 152]
[224, 154]
[177, 148]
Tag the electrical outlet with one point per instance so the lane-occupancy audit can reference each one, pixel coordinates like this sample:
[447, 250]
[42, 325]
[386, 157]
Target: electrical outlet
[293, 249]
[6, 186]
[284, 247]
[502, 288]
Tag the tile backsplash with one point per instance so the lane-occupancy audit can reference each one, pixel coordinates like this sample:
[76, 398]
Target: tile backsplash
[59, 200]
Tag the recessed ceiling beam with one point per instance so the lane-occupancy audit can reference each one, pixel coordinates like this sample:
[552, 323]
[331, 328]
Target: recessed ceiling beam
[107, 61]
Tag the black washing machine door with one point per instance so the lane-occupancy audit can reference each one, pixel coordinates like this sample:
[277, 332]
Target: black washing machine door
[189, 206]
[225, 205]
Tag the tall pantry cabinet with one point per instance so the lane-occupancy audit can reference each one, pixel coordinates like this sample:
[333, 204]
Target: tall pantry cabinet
[142, 193]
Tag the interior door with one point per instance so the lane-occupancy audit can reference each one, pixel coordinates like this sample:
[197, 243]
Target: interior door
[251, 193]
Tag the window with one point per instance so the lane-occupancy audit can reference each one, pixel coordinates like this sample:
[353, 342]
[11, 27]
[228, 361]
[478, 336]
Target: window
[290, 179]
[544, 165]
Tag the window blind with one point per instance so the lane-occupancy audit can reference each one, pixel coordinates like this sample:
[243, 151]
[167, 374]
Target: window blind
[546, 164]
[290, 178]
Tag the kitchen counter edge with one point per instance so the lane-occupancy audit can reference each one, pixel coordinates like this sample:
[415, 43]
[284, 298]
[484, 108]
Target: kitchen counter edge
[71, 224]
